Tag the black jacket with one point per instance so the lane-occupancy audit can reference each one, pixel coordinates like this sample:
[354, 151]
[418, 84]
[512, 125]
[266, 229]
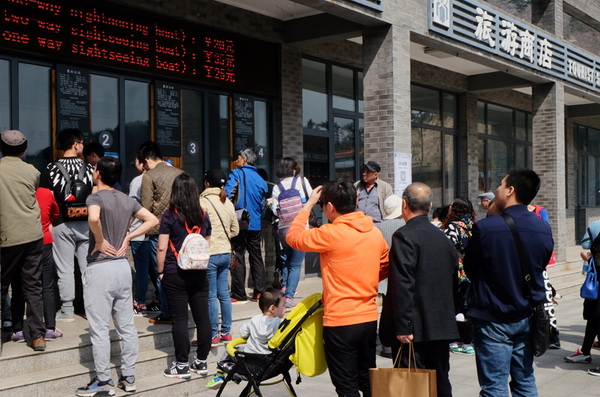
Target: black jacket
[422, 284]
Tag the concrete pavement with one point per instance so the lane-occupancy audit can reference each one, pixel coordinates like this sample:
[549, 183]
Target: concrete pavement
[554, 377]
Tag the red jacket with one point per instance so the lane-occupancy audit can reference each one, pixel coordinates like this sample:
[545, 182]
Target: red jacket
[48, 210]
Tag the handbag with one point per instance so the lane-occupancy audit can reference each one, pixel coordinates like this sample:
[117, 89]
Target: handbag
[242, 215]
[413, 382]
[540, 331]
[589, 289]
[234, 260]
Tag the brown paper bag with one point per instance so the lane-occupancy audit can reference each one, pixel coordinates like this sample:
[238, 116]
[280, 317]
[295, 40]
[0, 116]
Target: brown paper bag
[403, 382]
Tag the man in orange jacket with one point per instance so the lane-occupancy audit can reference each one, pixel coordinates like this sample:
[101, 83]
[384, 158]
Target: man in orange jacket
[354, 258]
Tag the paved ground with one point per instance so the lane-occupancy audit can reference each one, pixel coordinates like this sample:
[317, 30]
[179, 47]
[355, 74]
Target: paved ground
[555, 377]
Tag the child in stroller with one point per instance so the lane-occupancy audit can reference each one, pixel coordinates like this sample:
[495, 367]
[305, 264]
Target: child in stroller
[257, 332]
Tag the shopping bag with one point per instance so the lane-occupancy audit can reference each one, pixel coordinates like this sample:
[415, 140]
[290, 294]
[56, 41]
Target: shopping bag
[403, 382]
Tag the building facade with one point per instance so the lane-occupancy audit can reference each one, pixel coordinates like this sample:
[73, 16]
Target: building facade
[452, 93]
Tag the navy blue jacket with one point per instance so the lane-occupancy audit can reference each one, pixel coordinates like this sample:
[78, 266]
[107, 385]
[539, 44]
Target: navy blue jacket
[250, 195]
[498, 291]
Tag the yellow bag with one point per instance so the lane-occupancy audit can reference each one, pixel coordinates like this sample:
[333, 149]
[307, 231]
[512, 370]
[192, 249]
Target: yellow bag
[309, 355]
[403, 382]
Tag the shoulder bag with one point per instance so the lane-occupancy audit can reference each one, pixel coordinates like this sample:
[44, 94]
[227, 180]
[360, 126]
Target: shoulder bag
[589, 289]
[540, 331]
[234, 261]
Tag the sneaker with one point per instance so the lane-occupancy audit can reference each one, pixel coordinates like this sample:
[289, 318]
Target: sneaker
[200, 367]
[554, 345]
[596, 345]
[594, 371]
[97, 388]
[454, 345]
[238, 301]
[226, 338]
[139, 309]
[66, 314]
[127, 383]
[160, 319]
[465, 350]
[578, 357]
[216, 341]
[216, 381]
[180, 371]
[153, 307]
[53, 333]
[17, 336]
[255, 298]
[289, 302]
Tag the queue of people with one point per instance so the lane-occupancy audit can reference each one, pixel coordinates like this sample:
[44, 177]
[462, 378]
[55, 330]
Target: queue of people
[448, 286]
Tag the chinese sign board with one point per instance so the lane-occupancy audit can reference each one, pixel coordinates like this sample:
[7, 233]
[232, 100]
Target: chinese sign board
[489, 30]
[101, 33]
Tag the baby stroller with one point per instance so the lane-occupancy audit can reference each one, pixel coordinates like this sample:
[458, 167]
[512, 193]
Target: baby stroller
[298, 341]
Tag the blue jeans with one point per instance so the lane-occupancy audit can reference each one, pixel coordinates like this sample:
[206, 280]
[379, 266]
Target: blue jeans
[504, 349]
[218, 293]
[292, 266]
[143, 271]
[162, 297]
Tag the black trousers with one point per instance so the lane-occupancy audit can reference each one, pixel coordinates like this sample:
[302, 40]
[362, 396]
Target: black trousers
[22, 265]
[49, 293]
[429, 355]
[250, 240]
[183, 288]
[350, 352]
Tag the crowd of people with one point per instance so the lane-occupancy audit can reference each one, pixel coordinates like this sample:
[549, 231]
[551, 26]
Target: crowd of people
[449, 285]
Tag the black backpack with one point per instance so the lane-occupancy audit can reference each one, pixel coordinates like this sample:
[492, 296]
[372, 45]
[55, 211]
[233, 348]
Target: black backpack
[76, 192]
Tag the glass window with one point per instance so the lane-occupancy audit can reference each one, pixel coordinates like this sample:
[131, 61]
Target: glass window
[344, 148]
[316, 159]
[450, 168]
[4, 95]
[426, 160]
[425, 106]
[505, 142]
[518, 8]
[314, 95]
[499, 120]
[137, 125]
[449, 106]
[580, 33]
[191, 125]
[343, 88]
[361, 140]
[105, 111]
[589, 166]
[34, 112]
[361, 101]
[261, 136]
[218, 132]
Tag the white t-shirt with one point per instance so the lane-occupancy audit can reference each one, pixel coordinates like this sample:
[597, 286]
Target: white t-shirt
[135, 191]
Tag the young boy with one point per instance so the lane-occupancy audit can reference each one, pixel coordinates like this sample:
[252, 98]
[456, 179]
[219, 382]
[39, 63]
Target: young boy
[107, 278]
[257, 332]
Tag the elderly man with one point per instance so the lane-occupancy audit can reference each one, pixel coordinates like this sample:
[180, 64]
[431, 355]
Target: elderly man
[21, 236]
[372, 191]
[419, 305]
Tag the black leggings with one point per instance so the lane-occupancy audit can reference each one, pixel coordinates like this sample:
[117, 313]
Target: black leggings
[591, 331]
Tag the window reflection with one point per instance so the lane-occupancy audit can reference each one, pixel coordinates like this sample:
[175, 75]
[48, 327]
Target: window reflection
[218, 132]
[344, 147]
[34, 112]
[425, 106]
[261, 135]
[589, 166]
[191, 125]
[343, 88]
[426, 160]
[137, 124]
[4, 95]
[105, 110]
[314, 95]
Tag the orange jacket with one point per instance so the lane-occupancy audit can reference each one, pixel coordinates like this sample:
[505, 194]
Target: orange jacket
[354, 257]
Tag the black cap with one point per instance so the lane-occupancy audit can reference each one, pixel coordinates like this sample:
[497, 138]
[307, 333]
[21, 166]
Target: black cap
[372, 166]
[215, 177]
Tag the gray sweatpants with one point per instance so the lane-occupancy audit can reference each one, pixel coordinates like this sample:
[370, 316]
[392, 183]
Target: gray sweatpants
[107, 291]
[70, 240]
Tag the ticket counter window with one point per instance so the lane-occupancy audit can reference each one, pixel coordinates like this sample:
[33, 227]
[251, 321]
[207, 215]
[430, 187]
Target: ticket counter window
[4, 95]
[34, 112]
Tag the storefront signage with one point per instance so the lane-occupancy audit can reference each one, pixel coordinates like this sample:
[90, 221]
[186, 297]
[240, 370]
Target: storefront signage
[167, 103]
[96, 32]
[73, 97]
[243, 122]
[489, 30]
